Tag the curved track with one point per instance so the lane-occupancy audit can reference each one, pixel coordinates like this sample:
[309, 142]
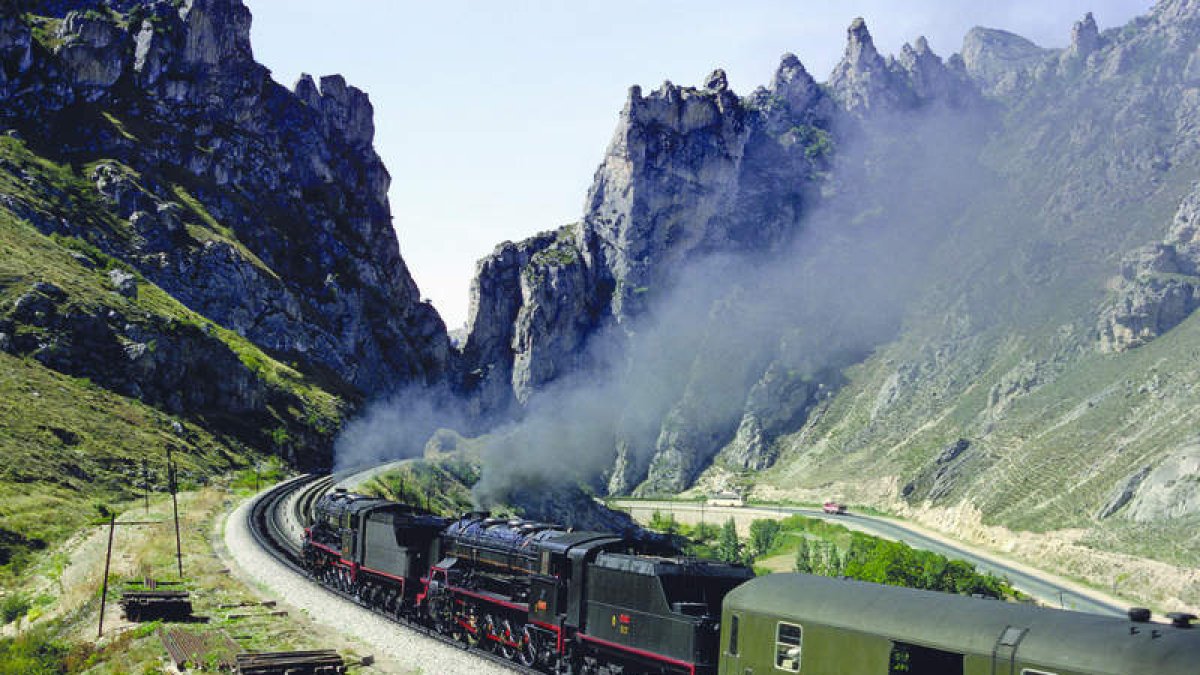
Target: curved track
[275, 516]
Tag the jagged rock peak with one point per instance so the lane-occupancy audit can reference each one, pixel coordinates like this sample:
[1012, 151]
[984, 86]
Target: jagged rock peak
[864, 81]
[860, 47]
[635, 94]
[306, 90]
[1085, 37]
[794, 84]
[218, 32]
[344, 108]
[931, 79]
[717, 81]
[861, 78]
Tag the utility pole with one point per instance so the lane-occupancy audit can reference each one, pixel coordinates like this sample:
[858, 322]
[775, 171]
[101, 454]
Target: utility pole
[112, 526]
[175, 508]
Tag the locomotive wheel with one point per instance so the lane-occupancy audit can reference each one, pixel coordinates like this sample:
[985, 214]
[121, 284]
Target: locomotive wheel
[527, 654]
[506, 636]
[485, 628]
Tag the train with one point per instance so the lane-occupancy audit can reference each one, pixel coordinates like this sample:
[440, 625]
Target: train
[595, 603]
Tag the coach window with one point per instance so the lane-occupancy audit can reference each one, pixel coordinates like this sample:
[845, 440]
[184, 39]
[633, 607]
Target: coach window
[787, 647]
[733, 635]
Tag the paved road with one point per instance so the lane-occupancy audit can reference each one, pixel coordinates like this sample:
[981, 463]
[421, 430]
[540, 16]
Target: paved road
[1039, 586]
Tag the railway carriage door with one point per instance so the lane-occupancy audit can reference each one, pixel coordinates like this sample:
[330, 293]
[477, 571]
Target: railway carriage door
[731, 648]
[1004, 654]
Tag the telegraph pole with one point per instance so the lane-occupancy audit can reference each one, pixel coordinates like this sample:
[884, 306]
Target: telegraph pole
[112, 526]
[175, 508]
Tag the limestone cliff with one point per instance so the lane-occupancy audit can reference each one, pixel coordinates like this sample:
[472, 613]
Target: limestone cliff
[143, 137]
[262, 208]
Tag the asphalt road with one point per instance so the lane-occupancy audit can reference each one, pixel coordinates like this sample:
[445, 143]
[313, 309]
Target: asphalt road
[1040, 587]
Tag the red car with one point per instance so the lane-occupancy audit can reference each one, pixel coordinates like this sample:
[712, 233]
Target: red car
[834, 508]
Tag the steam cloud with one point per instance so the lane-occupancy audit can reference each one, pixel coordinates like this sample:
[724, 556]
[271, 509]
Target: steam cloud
[839, 289]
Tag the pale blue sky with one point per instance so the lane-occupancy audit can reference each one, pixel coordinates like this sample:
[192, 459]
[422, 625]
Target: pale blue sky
[492, 116]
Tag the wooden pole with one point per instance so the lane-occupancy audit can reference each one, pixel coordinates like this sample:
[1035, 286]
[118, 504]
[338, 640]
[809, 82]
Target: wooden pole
[175, 509]
[112, 526]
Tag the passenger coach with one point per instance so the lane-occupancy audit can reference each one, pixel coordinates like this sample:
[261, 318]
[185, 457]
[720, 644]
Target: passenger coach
[797, 623]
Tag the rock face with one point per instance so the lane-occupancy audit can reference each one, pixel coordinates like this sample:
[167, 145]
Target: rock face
[777, 404]
[94, 53]
[262, 208]
[1000, 60]
[1172, 490]
[1159, 285]
[532, 307]
[864, 81]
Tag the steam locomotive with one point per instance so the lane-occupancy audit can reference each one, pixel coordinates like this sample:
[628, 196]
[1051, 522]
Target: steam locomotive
[548, 597]
[599, 603]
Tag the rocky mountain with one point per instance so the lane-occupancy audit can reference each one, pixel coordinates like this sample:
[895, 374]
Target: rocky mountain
[979, 204]
[209, 248]
[262, 208]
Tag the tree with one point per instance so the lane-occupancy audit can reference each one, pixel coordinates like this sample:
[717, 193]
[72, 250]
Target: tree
[804, 557]
[663, 523]
[729, 549]
[763, 533]
[704, 533]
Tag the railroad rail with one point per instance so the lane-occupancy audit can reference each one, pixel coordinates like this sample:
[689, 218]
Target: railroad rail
[269, 516]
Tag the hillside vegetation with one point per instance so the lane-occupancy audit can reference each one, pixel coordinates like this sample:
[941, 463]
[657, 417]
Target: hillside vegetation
[79, 421]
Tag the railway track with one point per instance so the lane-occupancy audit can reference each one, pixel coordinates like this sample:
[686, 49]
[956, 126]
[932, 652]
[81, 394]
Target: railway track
[273, 519]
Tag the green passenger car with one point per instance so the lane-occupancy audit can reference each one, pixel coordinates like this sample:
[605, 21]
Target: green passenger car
[797, 623]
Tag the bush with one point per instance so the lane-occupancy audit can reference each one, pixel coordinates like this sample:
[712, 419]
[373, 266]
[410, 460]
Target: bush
[661, 523]
[14, 606]
[828, 549]
[35, 652]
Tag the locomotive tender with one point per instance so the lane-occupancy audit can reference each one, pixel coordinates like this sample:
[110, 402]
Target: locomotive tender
[594, 602]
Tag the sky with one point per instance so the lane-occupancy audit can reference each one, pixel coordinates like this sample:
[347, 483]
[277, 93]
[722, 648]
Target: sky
[492, 116]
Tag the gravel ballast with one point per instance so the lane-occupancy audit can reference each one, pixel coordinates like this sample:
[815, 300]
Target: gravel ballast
[397, 643]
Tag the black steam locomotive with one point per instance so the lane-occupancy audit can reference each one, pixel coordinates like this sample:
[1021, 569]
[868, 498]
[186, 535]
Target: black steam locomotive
[542, 595]
[593, 602]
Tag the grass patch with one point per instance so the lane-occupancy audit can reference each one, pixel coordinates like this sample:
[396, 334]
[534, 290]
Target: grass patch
[441, 484]
[120, 127]
[209, 228]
